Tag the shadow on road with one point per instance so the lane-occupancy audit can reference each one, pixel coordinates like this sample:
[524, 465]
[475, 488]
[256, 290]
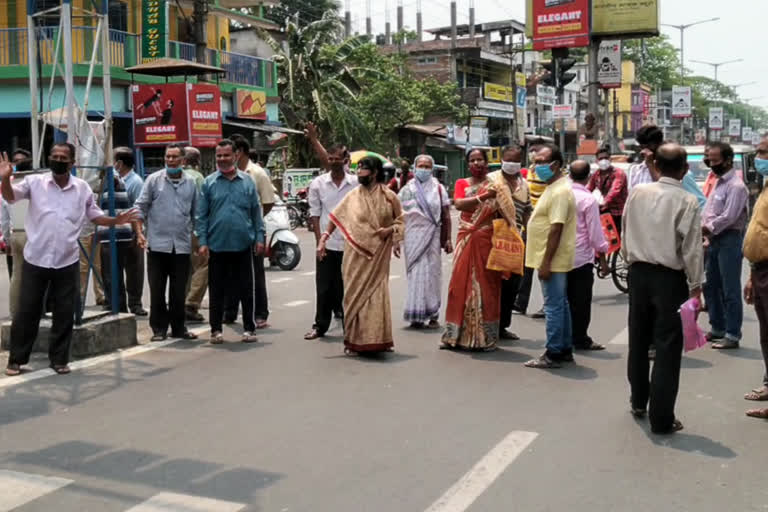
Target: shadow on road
[694, 364]
[611, 300]
[692, 443]
[744, 353]
[154, 470]
[501, 356]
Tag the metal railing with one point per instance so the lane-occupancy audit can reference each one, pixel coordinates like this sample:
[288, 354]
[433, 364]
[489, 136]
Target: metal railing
[124, 51]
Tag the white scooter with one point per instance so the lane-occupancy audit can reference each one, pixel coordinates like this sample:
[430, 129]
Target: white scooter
[282, 245]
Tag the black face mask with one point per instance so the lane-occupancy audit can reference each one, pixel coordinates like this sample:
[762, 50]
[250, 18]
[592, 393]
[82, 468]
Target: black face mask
[59, 167]
[718, 169]
[365, 180]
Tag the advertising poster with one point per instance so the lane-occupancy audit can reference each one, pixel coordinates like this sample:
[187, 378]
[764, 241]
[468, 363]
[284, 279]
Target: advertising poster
[609, 64]
[562, 111]
[716, 118]
[159, 114]
[625, 17]
[154, 34]
[251, 104]
[681, 101]
[746, 134]
[498, 92]
[734, 127]
[560, 24]
[204, 103]
[545, 95]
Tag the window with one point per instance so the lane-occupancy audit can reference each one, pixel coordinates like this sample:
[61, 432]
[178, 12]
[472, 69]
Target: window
[635, 100]
[50, 19]
[421, 61]
[223, 44]
[118, 15]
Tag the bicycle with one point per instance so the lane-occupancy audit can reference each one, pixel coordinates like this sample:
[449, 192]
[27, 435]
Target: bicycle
[619, 269]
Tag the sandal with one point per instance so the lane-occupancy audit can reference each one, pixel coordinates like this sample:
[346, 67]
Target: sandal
[61, 370]
[757, 395]
[13, 370]
[313, 335]
[726, 345]
[490, 348]
[261, 324]
[249, 337]
[350, 353]
[638, 413]
[433, 324]
[542, 362]
[758, 413]
[677, 426]
[591, 346]
[508, 335]
[445, 346]
[217, 338]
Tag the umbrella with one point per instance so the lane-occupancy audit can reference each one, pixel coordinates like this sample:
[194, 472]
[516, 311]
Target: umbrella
[356, 156]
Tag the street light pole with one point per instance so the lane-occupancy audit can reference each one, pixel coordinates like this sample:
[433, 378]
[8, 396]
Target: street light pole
[716, 65]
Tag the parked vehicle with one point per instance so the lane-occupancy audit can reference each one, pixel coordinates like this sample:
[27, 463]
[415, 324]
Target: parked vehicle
[298, 208]
[282, 244]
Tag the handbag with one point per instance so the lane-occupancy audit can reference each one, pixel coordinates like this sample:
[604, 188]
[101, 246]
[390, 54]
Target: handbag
[507, 249]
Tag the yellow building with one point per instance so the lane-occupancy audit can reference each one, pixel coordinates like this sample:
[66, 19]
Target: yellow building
[632, 100]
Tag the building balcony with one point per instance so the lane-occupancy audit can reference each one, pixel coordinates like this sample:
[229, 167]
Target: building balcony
[124, 52]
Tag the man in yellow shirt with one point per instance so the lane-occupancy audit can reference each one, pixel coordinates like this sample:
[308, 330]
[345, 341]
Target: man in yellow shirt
[551, 249]
[756, 290]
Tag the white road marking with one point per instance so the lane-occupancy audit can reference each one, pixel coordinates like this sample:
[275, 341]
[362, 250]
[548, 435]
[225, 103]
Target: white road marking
[392, 278]
[472, 485]
[95, 361]
[171, 502]
[308, 273]
[295, 303]
[16, 489]
[281, 280]
[622, 338]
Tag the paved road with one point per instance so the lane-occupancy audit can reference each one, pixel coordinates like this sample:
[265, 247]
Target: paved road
[288, 425]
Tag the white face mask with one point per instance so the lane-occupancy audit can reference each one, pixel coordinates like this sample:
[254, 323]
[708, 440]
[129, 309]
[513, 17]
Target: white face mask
[510, 168]
[604, 164]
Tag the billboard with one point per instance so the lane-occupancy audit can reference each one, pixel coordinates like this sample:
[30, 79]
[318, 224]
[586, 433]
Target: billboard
[498, 92]
[716, 118]
[251, 104]
[681, 101]
[154, 30]
[204, 106]
[560, 24]
[734, 127]
[562, 111]
[186, 113]
[545, 95]
[609, 64]
[625, 17]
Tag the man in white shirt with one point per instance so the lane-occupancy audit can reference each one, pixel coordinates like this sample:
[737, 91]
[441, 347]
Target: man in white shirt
[268, 198]
[662, 245]
[325, 192]
[649, 138]
[59, 205]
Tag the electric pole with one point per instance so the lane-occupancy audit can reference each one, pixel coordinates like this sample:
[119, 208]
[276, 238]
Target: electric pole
[198, 17]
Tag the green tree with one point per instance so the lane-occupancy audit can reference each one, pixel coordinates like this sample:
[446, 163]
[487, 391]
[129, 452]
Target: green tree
[657, 61]
[307, 11]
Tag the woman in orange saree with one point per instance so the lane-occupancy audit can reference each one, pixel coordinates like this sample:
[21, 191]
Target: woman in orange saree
[371, 220]
[474, 293]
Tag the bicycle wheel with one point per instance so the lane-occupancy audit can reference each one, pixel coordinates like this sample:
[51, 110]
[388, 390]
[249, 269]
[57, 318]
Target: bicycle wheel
[619, 272]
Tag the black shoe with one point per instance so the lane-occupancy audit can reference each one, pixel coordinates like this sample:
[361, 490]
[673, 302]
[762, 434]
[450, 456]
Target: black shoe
[186, 335]
[539, 314]
[193, 316]
[159, 336]
[139, 311]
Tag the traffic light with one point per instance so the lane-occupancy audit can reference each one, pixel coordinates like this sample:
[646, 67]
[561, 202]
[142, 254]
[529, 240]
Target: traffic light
[549, 77]
[563, 77]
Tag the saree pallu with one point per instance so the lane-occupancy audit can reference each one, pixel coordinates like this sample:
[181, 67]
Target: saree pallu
[474, 294]
[367, 310]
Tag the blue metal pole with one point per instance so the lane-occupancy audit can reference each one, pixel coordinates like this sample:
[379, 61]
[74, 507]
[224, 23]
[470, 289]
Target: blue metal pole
[113, 291]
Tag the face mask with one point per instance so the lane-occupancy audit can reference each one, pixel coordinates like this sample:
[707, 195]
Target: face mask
[510, 168]
[59, 167]
[761, 166]
[718, 169]
[14, 168]
[173, 171]
[364, 180]
[544, 172]
[423, 174]
[227, 170]
[478, 171]
[604, 164]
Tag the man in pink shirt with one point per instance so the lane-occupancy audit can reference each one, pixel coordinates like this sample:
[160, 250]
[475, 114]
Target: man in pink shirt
[59, 205]
[589, 240]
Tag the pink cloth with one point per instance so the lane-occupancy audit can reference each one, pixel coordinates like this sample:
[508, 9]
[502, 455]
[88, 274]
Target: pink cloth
[693, 336]
[55, 218]
[589, 231]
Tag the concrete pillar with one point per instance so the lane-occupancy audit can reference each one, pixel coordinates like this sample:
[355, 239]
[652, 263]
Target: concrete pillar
[453, 24]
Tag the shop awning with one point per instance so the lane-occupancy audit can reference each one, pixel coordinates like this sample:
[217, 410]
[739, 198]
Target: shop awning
[173, 67]
[266, 128]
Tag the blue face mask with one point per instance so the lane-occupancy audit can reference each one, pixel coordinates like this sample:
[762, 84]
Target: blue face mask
[544, 172]
[14, 168]
[173, 171]
[761, 166]
[422, 174]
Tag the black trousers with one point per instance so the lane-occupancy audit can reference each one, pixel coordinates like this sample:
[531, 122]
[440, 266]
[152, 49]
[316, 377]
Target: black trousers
[509, 291]
[525, 284]
[9, 261]
[123, 254]
[580, 282]
[260, 298]
[329, 285]
[230, 275]
[63, 285]
[134, 276]
[655, 295]
[167, 271]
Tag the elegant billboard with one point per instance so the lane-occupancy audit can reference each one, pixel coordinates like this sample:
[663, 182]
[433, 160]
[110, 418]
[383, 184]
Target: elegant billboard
[560, 24]
[204, 105]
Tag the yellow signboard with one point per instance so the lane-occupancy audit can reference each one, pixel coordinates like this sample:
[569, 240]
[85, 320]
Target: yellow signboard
[498, 92]
[619, 17]
[615, 17]
[251, 104]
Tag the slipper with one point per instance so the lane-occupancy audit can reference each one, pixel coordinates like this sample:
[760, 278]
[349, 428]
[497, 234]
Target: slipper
[217, 338]
[676, 427]
[757, 395]
[262, 324]
[13, 370]
[543, 363]
[758, 413]
[433, 324]
[638, 413]
[508, 335]
[591, 346]
[313, 335]
[61, 370]
[726, 345]
[350, 353]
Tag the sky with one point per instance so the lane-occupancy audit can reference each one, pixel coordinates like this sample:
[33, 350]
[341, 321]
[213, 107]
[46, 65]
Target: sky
[737, 35]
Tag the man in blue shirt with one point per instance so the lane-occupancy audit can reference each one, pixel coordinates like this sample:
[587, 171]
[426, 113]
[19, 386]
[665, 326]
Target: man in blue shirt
[229, 227]
[134, 258]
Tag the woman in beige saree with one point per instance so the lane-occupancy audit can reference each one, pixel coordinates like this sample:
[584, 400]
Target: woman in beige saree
[371, 220]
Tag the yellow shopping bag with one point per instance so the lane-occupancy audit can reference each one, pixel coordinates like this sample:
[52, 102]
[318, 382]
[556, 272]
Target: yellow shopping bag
[508, 249]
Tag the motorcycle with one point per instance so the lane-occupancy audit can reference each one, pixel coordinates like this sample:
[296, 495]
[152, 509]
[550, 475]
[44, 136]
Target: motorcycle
[298, 209]
[282, 245]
